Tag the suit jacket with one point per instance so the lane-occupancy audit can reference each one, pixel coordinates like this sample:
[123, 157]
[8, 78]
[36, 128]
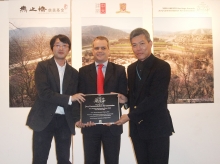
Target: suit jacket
[149, 116]
[115, 81]
[48, 95]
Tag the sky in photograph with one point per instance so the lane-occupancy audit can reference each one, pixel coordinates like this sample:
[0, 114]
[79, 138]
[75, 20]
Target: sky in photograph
[126, 24]
[181, 24]
[21, 23]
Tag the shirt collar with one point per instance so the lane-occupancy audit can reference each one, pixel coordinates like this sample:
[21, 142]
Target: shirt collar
[146, 62]
[60, 67]
[105, 63]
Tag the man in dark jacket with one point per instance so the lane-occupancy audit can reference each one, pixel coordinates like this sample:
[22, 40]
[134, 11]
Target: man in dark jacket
[149, 119]
[56, 110]
[114, 81]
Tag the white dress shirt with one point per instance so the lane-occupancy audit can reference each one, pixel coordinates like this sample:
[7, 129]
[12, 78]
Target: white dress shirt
[103, 68]
[61, 70]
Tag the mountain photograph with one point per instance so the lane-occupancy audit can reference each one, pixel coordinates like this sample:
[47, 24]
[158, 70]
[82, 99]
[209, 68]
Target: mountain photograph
[90, 32]
[28, 46]
[120, 48]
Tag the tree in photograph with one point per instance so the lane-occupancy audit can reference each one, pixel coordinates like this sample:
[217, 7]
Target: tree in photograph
[22, 90]
[39, 47]
[174, 89]
[185, 72]
[23, 56]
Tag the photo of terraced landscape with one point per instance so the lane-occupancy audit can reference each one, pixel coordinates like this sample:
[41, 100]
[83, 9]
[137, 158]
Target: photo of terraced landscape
[120, 48]
[187, 47]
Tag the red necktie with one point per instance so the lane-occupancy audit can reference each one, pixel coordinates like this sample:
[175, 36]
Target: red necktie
[100, 80]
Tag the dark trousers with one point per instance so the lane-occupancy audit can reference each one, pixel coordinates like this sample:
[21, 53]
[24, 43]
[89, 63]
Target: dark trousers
[93, 138]
[57, 128]
[151, 151]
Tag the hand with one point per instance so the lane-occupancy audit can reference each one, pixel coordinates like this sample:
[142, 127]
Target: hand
[124, 118]
[78, 97]
[89, 124]
[122, 99]
[107, 124]
[79, 124]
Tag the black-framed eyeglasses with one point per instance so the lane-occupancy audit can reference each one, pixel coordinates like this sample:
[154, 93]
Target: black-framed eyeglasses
[64, 46]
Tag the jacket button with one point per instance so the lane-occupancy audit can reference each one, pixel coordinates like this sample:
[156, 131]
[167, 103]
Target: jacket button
[135, 107]
[51, 114]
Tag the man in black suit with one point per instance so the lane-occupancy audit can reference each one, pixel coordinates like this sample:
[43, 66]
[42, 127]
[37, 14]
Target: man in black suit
[108, 136]
[149, 118]
[56, 110]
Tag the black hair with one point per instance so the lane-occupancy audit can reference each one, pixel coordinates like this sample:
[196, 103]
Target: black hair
[62, 38]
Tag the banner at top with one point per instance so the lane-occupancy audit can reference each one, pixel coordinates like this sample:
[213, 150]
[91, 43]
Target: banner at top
[127, 8]
[172, 8]
[39, 9]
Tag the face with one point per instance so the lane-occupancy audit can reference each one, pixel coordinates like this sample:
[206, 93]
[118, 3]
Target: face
[100, 50]
[141, 47]
[60, 50]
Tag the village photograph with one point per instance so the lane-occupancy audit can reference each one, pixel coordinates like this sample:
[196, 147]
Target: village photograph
[117, 33]
[186, 44]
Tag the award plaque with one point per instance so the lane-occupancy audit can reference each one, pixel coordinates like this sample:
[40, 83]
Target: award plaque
[100, 108]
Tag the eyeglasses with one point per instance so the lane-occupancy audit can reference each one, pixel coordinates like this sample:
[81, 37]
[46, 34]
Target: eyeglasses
[64, 46]
[102, 48]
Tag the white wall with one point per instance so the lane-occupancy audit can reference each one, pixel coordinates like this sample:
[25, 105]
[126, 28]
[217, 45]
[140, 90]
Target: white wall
[197, 126]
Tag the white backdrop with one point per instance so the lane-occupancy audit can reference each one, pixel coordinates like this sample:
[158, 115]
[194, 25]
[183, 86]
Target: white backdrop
[197, 137]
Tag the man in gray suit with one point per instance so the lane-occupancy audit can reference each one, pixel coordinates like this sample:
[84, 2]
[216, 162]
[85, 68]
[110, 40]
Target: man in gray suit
[149, 119]
[56, 110]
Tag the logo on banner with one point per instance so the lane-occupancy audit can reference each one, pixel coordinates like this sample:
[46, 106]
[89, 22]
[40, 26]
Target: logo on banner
[203, 7]
[100, 8]
[43, 9]
[122, 8]
[99, 101]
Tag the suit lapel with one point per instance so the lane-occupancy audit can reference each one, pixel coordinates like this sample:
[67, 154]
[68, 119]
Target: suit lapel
[142, 83]
[67, 77]
[93, 74]
[54, 71]
[108, 72]
[146, 71]
[132, 76]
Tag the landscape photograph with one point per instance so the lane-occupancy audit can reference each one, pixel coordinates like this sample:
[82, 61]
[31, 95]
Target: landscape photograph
[29, 43]
[186, 44]
[117, 33]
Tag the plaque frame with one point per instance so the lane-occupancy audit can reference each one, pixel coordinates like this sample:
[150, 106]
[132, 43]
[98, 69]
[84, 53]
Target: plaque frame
[100, 108]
